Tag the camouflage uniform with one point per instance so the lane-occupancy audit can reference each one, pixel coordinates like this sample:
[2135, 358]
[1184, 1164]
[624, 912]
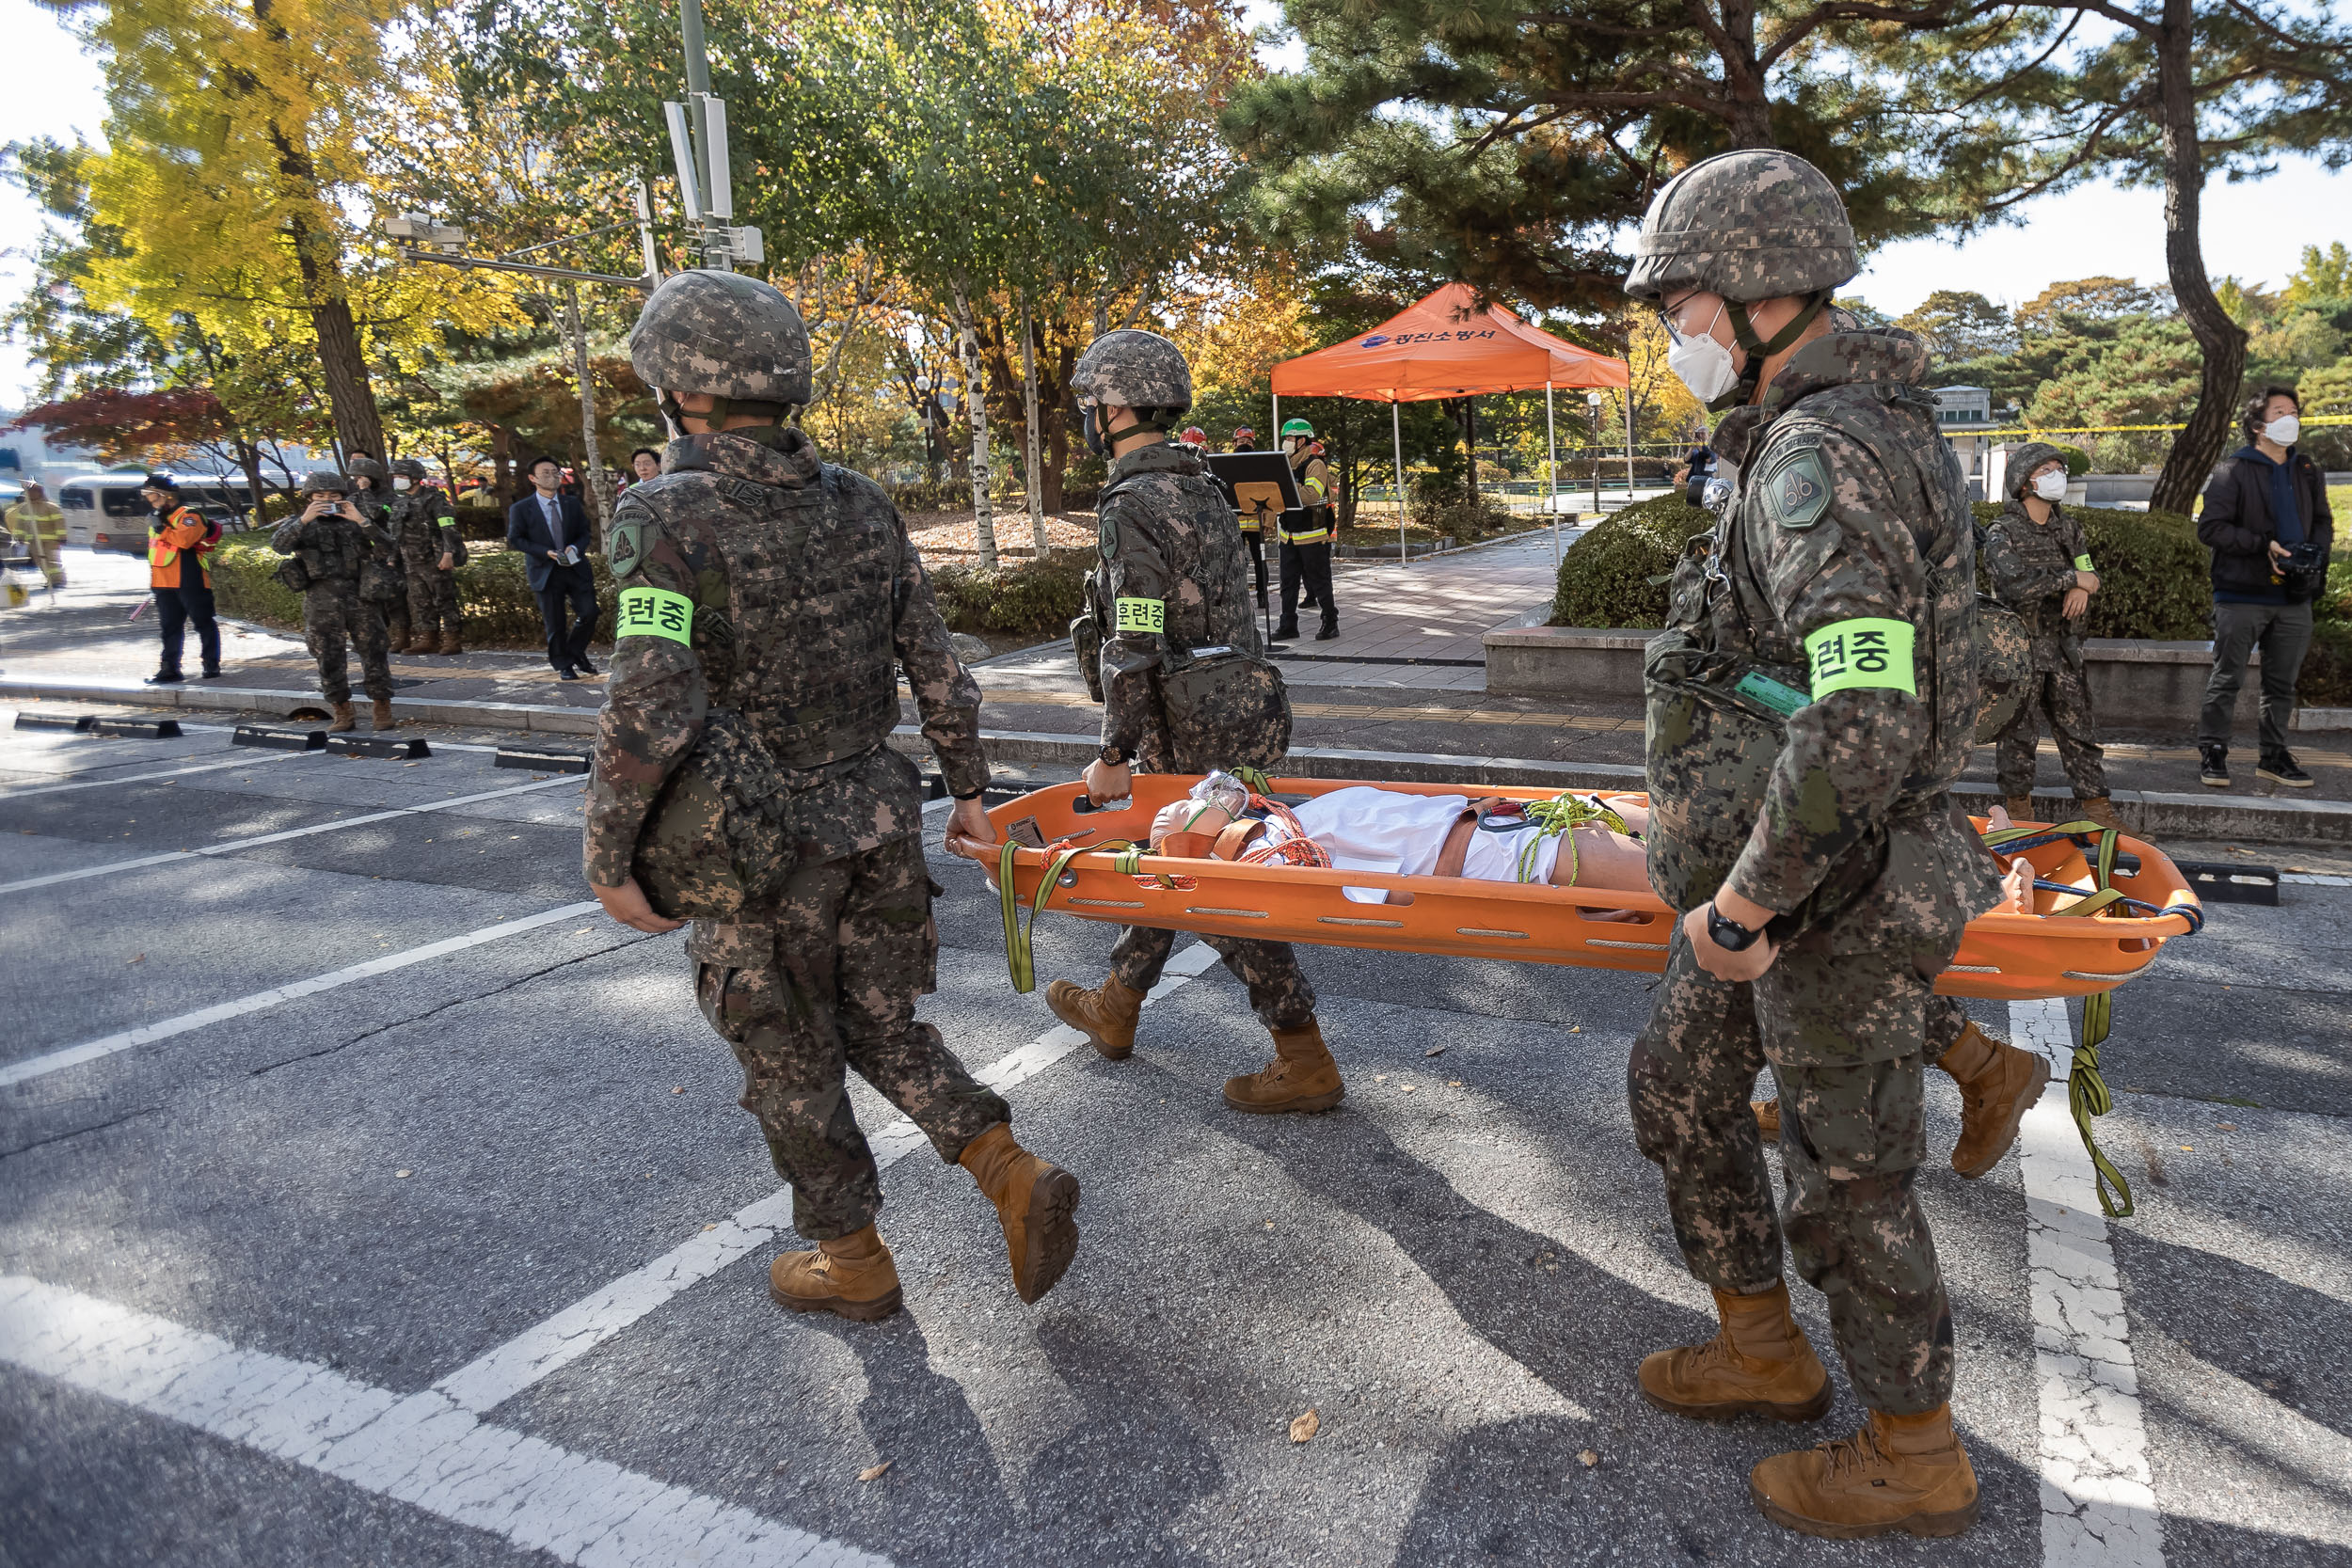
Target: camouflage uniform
[2032, 565]
[336, 552]
[757, 580]
[421, 520]
[1848, 539]
[1176, 575]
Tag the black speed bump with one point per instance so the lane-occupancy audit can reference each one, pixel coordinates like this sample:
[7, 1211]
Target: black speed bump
[2229, 883]
[137, 729]
[542, 760]
[378, 745]
[75, 721]
[279, 740]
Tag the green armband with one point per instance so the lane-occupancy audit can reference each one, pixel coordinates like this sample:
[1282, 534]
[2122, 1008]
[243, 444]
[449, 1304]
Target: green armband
[655, 613]
[2082, 564]
[1150, 615]
[1867, 651]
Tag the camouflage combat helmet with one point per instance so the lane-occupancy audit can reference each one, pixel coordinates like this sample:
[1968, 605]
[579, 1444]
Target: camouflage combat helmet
[410, 469]
[1132, 369]
[323, 479]
[368, 468]
[2023, 461]
[733, 336]
[1752, 225]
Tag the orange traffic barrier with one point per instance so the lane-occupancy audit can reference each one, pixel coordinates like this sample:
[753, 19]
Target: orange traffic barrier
[2012, 957]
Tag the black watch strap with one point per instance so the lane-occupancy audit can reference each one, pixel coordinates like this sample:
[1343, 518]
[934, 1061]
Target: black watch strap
[1729, 933]
[1115, 757]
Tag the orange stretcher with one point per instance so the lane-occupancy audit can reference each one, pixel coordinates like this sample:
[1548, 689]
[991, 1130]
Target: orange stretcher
[2003, 956]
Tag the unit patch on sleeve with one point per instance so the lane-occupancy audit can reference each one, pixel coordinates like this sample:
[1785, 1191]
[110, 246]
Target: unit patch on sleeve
[1796, 488]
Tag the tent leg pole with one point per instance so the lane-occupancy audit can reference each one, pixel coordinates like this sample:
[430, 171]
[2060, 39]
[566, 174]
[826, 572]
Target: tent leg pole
[1397, 432]
[1628, 444]
[1276, 445]
[1552, 475]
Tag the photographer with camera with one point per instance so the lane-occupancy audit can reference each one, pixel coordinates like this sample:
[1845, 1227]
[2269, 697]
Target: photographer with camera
[2266, 521]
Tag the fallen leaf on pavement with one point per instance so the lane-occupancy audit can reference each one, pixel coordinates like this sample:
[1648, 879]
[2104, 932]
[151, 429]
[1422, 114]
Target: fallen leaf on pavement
[1435, 1051]
[1305, 1427]
[1405, 1088]
[1588, 1459]
[140, 959]
[403, 1174]
[2227, 1126]
[874, 1472]
[1377, 1077]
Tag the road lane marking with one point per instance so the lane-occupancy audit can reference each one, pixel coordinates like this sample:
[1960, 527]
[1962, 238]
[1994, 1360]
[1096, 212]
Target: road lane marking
[500, 1373]
[416, 1448]
[235, 844]
[147, 1034]
[2098, 1493]
[6, 794]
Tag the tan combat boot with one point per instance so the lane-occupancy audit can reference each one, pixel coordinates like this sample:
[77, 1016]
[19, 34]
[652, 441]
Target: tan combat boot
[2098, 809]
[1106, 1016]
[451, 644]
[381, 718]
[396, 642]
[1301, 1077]
[2020, 807]
[1767, 1118]
[1905, 1473]
[1759, 1364]
[1999, 1085]
[1037, 1203]
[344, 718]
[851, 1276]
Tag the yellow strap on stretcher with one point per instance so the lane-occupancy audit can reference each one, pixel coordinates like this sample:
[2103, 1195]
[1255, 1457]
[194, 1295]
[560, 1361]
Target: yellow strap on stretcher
[2086, 1092]
[1018, 955]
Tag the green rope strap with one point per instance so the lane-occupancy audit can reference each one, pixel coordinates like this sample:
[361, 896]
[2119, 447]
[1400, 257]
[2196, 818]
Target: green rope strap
[1254, 780]
[1019, 957]
[2086, 1093]
[1562, 815]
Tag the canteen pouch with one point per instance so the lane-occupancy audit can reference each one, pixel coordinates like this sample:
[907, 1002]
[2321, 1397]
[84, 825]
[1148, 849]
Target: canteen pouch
[715, 842]
[1226, 708]
[380, 582]
[2004, 668]
[294, 573]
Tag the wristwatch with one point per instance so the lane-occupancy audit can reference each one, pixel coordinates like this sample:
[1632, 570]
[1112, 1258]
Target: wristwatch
[1114, 756]
[1727, 933]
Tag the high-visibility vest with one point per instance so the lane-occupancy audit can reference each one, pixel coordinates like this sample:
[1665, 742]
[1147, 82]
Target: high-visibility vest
[1318, 511]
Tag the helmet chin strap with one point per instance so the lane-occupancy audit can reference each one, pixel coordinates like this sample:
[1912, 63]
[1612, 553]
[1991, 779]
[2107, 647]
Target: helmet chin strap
[1757, 350]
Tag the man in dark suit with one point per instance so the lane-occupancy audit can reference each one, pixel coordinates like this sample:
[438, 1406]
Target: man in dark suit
[547, 526]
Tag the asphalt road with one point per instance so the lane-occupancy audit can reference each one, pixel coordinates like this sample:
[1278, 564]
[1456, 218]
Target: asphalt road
[462, 1261]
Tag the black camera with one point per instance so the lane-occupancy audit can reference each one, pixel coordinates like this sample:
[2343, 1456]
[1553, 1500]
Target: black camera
[2304, 572]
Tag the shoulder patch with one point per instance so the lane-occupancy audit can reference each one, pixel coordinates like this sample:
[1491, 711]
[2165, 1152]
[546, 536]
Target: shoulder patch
[1796, 488]
[1107, 533]
[626, 543]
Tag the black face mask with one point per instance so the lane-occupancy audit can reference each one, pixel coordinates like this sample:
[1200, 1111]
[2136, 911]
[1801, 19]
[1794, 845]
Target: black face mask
[1090, 425]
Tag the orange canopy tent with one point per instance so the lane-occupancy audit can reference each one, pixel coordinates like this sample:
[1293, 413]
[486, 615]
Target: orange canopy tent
[1448, 345]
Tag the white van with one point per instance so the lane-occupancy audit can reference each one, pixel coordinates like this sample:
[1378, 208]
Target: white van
[105, 511]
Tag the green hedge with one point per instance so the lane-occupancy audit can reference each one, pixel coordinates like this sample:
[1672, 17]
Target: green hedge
[2152, 573]
[1605, 576]
[493, 592]
[1031, 598]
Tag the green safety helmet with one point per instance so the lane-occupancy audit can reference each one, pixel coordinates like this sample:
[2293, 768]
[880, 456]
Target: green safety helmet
[1297, 427]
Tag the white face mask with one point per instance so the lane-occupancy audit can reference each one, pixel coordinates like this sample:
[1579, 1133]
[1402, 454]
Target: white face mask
[2284, 428]
[2052, 486]
[402, 482]
[1703, 364]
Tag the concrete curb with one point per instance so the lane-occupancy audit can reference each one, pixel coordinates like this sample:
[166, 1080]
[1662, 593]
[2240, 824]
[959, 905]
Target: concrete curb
[547, 719]
[2149, 814]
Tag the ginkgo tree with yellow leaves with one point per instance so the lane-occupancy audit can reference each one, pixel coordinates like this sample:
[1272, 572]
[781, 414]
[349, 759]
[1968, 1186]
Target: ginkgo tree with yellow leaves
[236, 175]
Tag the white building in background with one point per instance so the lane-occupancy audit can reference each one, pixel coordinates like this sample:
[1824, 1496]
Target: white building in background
[1965, 414]
[25, 454]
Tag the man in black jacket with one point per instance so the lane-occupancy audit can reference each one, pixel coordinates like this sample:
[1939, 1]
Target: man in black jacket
[551, 531]
[2268, 498]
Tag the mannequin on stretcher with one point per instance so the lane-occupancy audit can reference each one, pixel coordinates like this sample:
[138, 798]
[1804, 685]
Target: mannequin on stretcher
[1588, 841]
